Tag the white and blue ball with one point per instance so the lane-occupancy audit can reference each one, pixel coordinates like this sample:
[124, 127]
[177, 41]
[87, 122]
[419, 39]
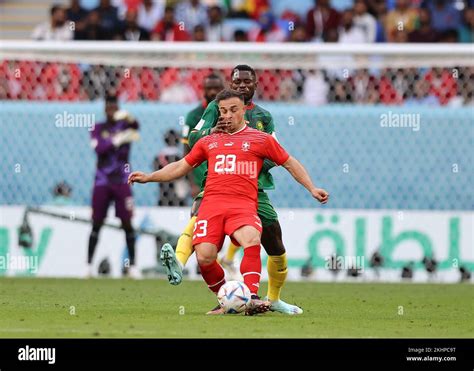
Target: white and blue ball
[234, 297]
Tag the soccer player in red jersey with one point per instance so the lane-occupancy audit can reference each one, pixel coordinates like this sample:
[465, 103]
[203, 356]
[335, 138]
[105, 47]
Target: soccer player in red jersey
[235, 157]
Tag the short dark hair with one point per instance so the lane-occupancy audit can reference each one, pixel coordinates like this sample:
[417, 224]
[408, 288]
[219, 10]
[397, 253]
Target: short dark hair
[229, 93]
[110, 97]
[213, 76]
[244, 67]
[54, 8]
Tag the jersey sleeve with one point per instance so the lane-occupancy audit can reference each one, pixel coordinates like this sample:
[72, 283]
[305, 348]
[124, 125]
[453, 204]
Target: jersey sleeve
[100, 144]
[275, 152]
[270, 125]
[208, 121]
[197, 155]
[187, 128]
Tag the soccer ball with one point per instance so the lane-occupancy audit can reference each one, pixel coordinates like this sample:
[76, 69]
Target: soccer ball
[234, 297]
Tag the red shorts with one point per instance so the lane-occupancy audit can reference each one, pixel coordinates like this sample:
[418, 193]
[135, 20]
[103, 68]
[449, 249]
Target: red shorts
[214, 222]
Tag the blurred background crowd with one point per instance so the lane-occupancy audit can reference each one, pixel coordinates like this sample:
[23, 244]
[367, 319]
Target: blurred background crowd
[343, 21]
[310, 21]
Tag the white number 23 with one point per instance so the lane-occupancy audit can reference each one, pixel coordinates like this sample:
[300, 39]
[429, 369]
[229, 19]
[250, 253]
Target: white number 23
[225, 163]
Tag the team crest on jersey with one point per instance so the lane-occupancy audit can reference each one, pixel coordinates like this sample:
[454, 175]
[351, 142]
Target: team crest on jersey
[212, 145]
[259, 126]
[245, 146]
[105, 134]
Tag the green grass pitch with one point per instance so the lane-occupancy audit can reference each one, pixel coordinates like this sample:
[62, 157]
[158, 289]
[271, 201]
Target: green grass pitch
[108, 308]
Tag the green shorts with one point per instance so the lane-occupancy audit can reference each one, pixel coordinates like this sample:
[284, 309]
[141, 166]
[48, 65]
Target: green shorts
[265, 211]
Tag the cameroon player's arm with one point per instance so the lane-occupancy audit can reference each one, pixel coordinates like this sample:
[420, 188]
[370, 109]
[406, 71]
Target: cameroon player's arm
[269, 129]
[204, 126]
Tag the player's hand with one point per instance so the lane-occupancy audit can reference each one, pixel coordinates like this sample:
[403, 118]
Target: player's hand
[320, 194]
[122, 115]
[138, 177]
[124, 137]
[221, 127]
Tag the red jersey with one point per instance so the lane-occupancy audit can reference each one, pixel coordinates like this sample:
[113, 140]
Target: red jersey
[234, 162]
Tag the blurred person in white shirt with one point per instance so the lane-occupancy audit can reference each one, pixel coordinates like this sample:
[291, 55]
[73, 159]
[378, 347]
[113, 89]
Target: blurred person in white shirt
[348, 32]
[365, 21]
[150, 12]
[315, 89]
[56, 29]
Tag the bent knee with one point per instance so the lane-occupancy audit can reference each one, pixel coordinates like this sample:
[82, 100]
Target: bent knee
[205, 259]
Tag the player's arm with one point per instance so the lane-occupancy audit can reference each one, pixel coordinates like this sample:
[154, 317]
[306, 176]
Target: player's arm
[170, 172]
[210, 123]
[269, 128]
[173, 170]
[188, 124]
[100, 144]
[130, 134]
[277, 153]
[298, 171]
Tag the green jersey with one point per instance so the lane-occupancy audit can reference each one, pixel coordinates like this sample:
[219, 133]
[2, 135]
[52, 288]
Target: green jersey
[257, 118]
[192, 119]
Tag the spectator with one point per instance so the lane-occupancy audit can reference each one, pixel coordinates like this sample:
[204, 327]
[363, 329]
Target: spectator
[315, 88]
[191, 13]
[364, 87]
[108, 16]
[75, 13]
[348, 32]
[442, 84]
[449, 36]
[199, 33]
[342, 91]
[466, 31]
[402, 18]
[299, 33]
[56, 28]
[321, 19]
[215, 29]
[365, 21]
[268, 30]
[422, 96]
[237, 9]
[62, 194]
[425, 33]
[168, 30]
[444, 15]
[149, 13]
[331, 36]
[387, 92]
[93, 29]
[131, 31]
[379, 9]
[171, 193]
[240, 36]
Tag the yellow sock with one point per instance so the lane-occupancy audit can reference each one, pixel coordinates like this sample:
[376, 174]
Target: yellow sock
[184, 249]
[231, 251]
[277, 267]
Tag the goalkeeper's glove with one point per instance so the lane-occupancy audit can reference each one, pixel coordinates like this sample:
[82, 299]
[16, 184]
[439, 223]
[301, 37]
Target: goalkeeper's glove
[126, 136]
[122, 115]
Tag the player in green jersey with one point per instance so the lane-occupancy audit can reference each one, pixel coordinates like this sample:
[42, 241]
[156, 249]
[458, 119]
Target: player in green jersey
[212, 85]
